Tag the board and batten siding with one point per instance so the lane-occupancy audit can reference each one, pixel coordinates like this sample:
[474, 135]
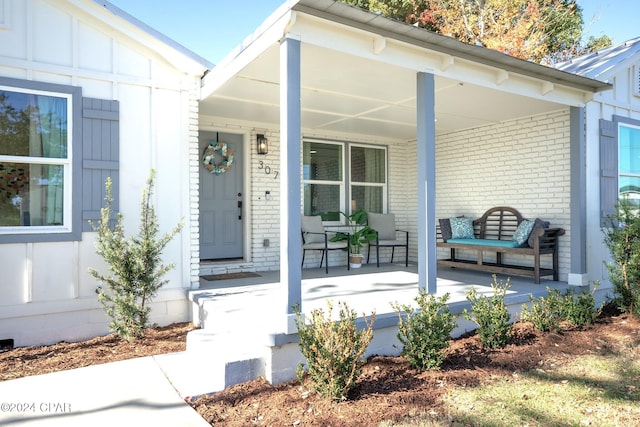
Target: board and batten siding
[620, 103]
[46, 292]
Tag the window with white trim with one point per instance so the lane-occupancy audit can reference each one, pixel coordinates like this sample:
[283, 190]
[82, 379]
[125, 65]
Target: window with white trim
[629, 162]
[368, 172]
[340, 177]
[35, 161]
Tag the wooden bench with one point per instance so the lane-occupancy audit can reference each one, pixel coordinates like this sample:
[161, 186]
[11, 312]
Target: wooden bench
[493, 232]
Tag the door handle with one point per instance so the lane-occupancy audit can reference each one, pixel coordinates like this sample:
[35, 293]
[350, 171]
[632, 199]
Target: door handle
[240, 206]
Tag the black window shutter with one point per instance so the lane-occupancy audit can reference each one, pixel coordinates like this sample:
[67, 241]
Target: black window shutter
[100, 156]
[608, 169]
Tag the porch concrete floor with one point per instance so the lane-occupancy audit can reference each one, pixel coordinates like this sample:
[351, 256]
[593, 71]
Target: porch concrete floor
[234, 302]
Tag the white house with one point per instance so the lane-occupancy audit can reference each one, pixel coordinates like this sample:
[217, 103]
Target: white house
[123, 99]
[460, 129]
[612, 135]
[358, 110]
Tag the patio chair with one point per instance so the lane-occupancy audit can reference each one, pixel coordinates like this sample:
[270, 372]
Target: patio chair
[316, 238]
[387, 236]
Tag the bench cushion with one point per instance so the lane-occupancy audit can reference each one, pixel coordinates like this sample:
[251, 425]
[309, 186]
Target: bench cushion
[494, 243]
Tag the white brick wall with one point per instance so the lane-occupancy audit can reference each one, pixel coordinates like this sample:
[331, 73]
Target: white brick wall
[265, 176]
[523, 164]
[193, 220]
[403, 193]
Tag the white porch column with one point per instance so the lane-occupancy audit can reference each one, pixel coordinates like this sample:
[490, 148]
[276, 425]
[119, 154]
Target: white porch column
[426, 140]
[290, 199]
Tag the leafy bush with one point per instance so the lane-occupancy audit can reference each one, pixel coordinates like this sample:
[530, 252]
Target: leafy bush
[134, 263]
[425, 333]
[491, 314]
[622, 237]
[545, 313]
[580, 309]
[333, 349]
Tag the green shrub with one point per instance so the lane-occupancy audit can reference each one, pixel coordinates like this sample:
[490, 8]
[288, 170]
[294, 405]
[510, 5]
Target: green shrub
[333, 349]
[134, 264]
[622, 237]
[425, 333]
[491, 314]
[580, 309]
[546, 313]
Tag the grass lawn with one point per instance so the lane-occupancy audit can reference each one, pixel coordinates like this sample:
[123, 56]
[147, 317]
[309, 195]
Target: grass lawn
[597, 389]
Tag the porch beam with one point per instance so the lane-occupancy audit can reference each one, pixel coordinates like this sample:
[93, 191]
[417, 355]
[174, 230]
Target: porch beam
[290, 199]
[578, 202]
[426, 152]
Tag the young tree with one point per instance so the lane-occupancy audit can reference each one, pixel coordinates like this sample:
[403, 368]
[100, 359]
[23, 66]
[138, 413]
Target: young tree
[134, 263]
[622, 237]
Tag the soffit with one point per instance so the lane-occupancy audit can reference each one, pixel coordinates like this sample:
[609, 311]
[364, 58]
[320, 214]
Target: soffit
[349, 86]
[342, 93]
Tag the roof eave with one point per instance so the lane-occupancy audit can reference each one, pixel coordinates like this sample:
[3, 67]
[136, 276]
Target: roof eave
[191, 60]
[351, 16]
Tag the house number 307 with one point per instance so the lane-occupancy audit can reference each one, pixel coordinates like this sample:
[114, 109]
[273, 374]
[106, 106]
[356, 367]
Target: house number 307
[267, 169]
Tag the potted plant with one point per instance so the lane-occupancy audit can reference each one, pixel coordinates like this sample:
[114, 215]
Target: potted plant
[359, 235]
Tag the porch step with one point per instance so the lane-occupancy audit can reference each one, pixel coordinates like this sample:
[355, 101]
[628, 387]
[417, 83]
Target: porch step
[213, 268]
[212, 362]
[243, 309]
[190, 374]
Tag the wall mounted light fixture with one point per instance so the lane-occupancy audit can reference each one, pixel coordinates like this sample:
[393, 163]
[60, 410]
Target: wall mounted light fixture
[263, 144]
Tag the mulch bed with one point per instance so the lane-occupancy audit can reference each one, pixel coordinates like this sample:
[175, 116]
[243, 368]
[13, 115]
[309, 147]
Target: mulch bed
[389, 389]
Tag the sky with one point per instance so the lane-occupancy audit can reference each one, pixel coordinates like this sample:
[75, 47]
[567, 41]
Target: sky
[213, 28]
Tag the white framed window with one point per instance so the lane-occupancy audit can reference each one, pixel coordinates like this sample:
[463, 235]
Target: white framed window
[368, 178]
[629, 162]
[323, 179]
[35, 161]
[342, 177]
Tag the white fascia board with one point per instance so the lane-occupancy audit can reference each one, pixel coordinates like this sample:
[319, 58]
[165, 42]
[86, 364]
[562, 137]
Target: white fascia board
[267, 36]
[177, 55]
[360, 43]
[517, 84]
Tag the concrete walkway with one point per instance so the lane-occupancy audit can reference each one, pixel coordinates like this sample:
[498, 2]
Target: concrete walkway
[132, 392]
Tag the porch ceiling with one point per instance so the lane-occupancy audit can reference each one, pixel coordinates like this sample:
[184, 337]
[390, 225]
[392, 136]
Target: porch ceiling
[343, 93]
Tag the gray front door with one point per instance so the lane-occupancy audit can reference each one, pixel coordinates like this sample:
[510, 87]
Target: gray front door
[221, 211]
